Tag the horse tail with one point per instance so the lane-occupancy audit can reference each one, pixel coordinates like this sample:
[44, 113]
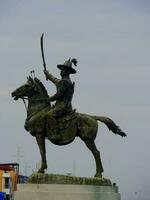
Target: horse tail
[111, 125]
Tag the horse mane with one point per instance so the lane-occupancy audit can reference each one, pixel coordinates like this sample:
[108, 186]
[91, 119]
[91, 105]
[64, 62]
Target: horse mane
[42, 87]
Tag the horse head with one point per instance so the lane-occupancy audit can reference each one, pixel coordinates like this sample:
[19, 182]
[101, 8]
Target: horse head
[33, 87]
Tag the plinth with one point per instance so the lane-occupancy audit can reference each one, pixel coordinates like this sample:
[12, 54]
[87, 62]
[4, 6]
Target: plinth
[59, 187]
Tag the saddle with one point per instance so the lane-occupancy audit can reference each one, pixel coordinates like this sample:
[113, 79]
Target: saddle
[64, 128]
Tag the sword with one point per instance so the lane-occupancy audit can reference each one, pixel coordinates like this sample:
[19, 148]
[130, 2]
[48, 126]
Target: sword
[42, 51]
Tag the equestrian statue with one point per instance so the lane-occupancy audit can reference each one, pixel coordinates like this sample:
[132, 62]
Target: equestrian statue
[60, 123]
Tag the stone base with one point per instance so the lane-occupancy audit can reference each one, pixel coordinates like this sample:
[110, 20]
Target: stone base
[66, 192]
[61, 187]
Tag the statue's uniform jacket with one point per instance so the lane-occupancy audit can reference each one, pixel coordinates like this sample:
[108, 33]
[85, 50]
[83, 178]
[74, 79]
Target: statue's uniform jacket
[63, 96]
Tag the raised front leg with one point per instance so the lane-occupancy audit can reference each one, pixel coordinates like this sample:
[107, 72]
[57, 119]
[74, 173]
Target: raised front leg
[99, 168]
[41, 143]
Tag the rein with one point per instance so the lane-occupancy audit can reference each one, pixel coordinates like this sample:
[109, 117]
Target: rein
[26, 98]
[23, 99]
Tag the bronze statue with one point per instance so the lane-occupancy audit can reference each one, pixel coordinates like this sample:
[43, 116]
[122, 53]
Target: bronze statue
[69, 125]
[59, 123]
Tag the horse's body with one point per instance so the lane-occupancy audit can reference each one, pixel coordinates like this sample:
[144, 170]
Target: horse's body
[77, 124]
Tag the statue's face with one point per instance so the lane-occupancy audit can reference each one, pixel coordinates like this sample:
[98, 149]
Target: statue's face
[64, 72]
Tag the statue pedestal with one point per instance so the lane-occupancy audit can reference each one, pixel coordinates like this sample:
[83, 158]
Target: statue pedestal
[65, 192]
[38, 191]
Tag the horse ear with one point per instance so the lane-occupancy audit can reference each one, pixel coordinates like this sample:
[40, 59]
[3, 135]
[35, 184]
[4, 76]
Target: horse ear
[29, 78]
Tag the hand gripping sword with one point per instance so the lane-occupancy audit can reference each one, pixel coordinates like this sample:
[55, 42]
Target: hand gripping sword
[42, 50]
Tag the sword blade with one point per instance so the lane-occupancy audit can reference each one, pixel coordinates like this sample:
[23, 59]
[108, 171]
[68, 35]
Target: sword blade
[42, 51]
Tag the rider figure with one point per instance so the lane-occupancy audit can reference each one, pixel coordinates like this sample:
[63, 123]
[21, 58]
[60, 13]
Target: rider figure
[65, 91]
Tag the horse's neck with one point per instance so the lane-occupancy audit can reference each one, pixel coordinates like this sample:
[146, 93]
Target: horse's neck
[35, 105]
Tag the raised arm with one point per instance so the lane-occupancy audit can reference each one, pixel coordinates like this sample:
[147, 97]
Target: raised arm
[51, 77]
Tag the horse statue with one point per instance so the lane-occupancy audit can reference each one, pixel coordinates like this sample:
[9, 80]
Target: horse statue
[69, 126]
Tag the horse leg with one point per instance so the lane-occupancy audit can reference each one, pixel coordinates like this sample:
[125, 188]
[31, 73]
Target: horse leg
[41, 143]
[99, 168]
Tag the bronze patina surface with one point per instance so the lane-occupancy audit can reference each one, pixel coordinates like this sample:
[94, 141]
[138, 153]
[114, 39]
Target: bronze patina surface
[69, 126]
[60, 123]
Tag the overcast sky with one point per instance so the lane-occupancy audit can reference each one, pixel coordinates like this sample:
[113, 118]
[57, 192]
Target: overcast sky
[111, 40]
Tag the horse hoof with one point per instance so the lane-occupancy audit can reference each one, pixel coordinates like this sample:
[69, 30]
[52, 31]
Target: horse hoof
[41, 171]
[98, 175]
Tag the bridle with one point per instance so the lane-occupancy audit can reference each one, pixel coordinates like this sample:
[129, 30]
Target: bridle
[26, 98]
[23, 99]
